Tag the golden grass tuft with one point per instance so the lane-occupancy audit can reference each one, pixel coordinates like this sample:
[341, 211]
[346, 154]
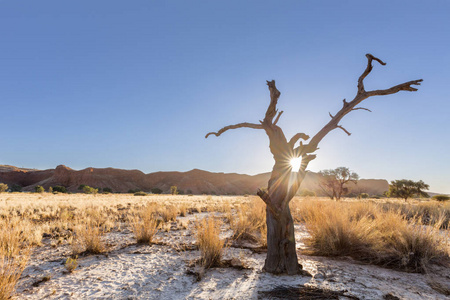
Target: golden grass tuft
[14, 255]
[209, 242]
[145, 224]
[168, 213]
[250, 222]
[89, 231]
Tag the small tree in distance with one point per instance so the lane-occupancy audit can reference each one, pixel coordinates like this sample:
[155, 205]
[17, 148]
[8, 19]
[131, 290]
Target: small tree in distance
[407, 188]
[333, 181]
[174, 190]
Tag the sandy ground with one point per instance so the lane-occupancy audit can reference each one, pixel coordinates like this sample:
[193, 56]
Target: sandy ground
[131, 271]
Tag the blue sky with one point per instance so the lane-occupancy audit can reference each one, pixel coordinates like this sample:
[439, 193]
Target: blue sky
[137, 84]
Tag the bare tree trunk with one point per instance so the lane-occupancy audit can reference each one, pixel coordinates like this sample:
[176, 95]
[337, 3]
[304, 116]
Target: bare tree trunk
[281, 251]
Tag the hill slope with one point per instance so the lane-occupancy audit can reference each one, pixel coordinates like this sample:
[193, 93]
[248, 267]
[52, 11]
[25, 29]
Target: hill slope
[195, 181]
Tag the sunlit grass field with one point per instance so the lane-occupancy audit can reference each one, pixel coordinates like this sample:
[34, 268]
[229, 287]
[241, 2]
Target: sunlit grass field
[388, 232]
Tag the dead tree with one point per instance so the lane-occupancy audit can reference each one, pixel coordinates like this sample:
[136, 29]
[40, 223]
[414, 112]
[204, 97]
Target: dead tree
[281, 250]
[333, 181]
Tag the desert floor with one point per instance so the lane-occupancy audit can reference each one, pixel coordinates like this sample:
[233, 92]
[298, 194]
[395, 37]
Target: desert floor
[127, 270]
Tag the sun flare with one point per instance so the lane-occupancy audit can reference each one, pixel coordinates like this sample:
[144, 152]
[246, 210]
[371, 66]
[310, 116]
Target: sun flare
[295, 163]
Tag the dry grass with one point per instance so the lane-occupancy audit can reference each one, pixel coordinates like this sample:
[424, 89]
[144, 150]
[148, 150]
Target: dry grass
[88, 237]
[14, 255]
[168, 213]
[430, 212]
[368, 232]
[209, 242]
[250, 222]
[145, 224]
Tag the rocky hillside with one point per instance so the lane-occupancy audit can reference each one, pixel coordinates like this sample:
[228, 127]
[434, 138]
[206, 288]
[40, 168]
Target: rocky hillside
[195, 181]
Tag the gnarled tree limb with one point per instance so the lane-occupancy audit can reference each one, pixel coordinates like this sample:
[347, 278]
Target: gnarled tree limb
[240, 125]
[360, 96]
[395, 89]
[272, 109]
[368, 69]
[296, 137]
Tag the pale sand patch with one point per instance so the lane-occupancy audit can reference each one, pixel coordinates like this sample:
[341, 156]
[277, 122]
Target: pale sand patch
[159, 272]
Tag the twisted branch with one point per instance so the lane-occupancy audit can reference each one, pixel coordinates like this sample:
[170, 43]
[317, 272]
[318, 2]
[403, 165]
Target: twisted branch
[240, 125]
[296, 137]
[361, 95]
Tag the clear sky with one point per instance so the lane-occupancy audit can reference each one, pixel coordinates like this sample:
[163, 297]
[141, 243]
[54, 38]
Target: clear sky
[138, 84]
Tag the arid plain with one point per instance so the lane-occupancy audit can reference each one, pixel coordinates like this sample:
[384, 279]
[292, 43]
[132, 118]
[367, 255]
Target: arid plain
[122, 246]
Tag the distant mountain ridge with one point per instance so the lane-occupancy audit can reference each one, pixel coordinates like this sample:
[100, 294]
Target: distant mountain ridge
[195, 181]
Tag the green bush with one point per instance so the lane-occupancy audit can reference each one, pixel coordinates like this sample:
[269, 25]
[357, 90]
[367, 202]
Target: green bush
[140, 194]
[59, 189]
[89, 190]
[81, 187]
[363, 196]
[156, 191]
[131, 191]
[3, 187]
[16, 188]
[39, 189]
[107, 190]
[441, 197]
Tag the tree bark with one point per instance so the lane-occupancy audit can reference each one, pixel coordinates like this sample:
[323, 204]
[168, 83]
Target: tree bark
[281, 250]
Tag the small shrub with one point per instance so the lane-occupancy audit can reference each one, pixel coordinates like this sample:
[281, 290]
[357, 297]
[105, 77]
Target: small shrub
[209, 243]
[71, 264]
[59, 189]
[156, 191]
[441, 197]
[107, 190]
[3, 187]
[363, 196]
[50, 190]
[140, 194]
[15, 188]
[89, 190]
[81, 187]
[39, 189]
